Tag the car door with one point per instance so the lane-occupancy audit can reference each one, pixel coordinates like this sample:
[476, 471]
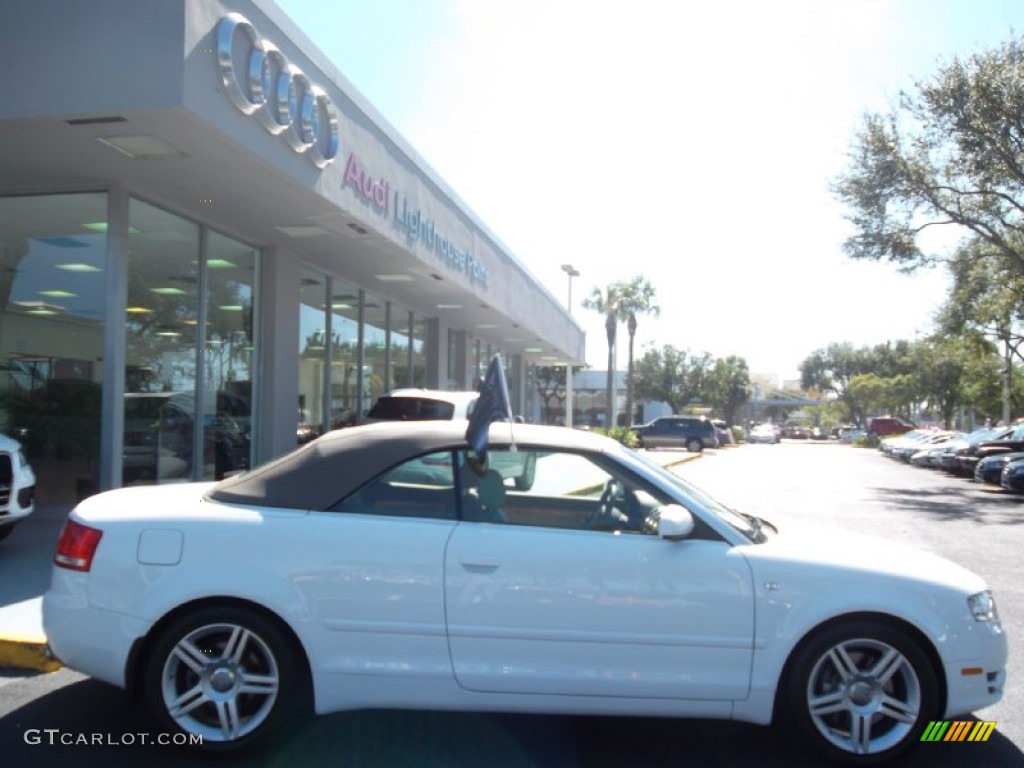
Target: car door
[557, 599]
[374, 581]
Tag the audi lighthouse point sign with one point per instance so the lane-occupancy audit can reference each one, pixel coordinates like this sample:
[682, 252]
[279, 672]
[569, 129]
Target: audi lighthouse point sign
[260, 81]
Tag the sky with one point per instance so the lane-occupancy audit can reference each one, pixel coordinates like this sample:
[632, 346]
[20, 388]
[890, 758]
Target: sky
[693, 144]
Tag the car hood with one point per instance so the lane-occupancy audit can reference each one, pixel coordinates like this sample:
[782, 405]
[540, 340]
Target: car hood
[822, 549]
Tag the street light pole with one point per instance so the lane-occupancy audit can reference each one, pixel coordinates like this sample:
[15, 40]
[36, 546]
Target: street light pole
[572, 272]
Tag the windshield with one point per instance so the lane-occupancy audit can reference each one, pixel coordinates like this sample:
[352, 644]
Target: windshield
[749, 526]
[411, 409]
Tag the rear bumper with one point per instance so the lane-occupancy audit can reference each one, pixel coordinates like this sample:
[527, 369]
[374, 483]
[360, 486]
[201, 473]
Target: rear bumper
[88, 639]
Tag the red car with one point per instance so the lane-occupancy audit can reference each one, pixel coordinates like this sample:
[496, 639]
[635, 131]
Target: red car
[886, 426]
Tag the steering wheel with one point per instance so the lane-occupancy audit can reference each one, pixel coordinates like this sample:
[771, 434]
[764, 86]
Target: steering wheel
[608, 511]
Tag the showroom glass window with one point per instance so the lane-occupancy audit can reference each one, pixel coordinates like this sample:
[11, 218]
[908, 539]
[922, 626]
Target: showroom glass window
[312, 354]
[188, 399]
[419, 352]
[374, 350]
[344, 354]
[227, 355]
[52, 320]
[161, 334]
[398, 354]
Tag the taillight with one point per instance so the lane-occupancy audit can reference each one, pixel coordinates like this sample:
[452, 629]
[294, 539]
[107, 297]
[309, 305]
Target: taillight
[77, 546]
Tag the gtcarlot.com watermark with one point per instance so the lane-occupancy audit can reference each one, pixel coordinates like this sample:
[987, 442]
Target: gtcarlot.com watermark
[57, 737]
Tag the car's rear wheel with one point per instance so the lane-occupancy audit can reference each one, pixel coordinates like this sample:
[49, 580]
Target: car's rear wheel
[862, 692]
[227, 674]
[695, 445]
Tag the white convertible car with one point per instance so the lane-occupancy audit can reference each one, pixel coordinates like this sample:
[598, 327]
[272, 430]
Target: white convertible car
[387, 566]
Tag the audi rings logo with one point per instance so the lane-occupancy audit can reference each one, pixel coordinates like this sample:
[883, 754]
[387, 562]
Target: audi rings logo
[259, 81]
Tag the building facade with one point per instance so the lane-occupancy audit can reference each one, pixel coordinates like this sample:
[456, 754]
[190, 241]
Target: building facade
[213, 247]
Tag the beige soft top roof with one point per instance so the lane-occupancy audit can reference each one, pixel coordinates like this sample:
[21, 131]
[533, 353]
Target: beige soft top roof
[320, 473]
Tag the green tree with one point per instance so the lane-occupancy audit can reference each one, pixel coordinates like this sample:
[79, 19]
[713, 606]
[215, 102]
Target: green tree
[831, 370]
[635, 297]
[673, 376]
[728, 386]
[949, 154]
[606, 302]
[985, 305]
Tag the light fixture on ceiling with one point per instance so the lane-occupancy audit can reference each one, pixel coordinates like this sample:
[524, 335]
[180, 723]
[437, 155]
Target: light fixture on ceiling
[102, 227]
[78, 267]
[141, 147]
[395, 278]
[299, 232]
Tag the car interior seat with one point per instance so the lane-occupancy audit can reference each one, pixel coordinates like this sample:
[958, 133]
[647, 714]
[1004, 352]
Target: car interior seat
[489, 494]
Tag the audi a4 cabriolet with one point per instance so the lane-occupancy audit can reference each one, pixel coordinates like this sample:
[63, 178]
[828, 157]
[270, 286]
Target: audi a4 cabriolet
[390, 566]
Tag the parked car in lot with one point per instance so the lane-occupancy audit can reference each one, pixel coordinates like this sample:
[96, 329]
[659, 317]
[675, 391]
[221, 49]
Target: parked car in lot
[723, 432]
[763, 433]
[990, 469]
[967, 448]
[607, 586]
[890, 445]
[884, 426]
[422, 405]
[17, 486]
[1012, 477]
[1013, 441]
[929, 453]
[694, 433]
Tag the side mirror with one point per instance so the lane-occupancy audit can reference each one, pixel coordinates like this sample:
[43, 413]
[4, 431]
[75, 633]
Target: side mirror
[675, 522]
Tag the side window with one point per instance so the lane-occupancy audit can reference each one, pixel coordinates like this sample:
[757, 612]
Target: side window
[422, 487]
[554, 489]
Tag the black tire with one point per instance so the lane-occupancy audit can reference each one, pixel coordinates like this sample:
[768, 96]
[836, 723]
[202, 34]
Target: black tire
[5, 531]
[194, 673]
[694, 445]
[874, 692]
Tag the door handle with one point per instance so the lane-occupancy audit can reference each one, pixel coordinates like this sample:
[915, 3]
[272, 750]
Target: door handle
[480, 564]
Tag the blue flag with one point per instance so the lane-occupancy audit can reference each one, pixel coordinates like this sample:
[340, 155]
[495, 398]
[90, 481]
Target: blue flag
[492, 405]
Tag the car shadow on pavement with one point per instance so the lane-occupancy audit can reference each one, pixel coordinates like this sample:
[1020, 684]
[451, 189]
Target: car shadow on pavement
[81, 722]
[957, 503]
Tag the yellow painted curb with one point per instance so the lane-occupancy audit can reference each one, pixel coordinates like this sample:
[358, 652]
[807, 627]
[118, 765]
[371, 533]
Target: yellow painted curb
[27, 654]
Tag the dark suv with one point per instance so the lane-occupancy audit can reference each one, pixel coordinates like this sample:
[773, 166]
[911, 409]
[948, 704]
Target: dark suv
[694, 433]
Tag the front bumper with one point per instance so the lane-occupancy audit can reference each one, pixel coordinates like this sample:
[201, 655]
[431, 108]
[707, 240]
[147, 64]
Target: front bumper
[978, 681]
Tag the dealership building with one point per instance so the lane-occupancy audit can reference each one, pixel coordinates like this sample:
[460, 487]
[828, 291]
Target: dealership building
[212, 246]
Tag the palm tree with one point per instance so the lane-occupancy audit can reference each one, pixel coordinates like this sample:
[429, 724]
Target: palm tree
[607, 303]
[635, 297]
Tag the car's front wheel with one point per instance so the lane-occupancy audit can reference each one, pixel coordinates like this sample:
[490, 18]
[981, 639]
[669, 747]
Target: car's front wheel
[862, 692]
[226, 674]
[695, 445]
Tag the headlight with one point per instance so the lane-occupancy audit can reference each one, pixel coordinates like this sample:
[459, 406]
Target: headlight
[983, 606]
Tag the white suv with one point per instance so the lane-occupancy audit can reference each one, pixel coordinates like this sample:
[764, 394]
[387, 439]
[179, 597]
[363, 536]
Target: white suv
[17, 486]
[423, 405]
